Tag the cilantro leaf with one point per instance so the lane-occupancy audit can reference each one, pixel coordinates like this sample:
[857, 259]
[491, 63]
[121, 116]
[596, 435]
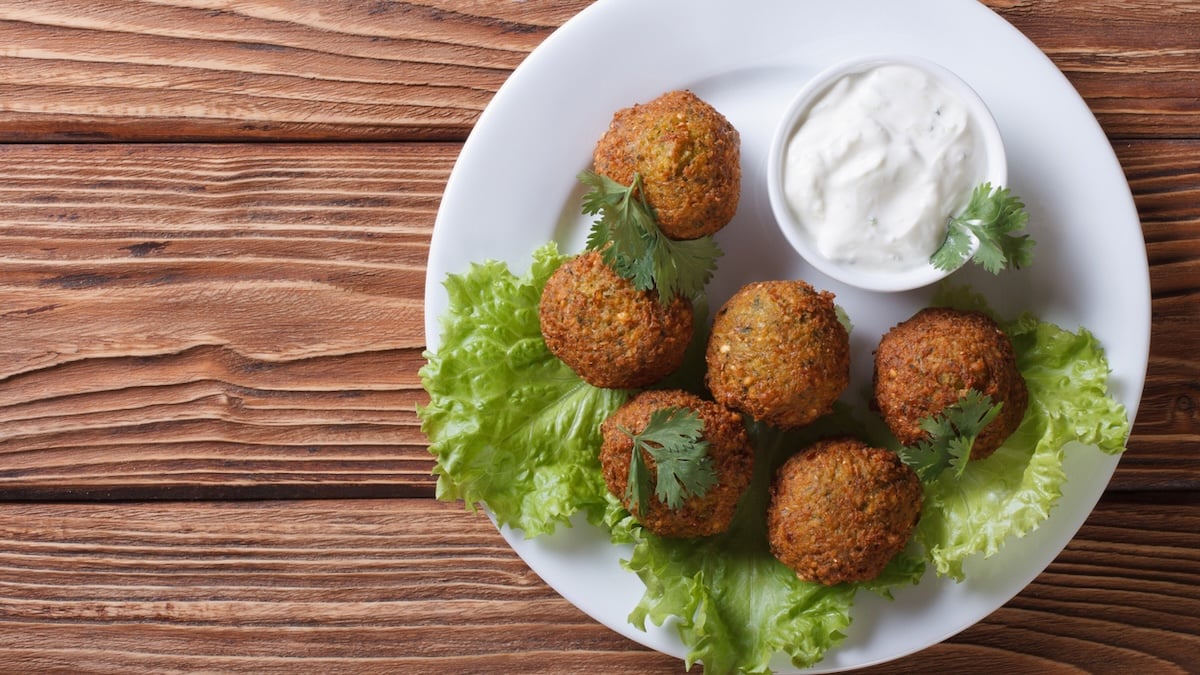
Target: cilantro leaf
[673, 439]
[990, 219]
[630, 241]
[952, 434]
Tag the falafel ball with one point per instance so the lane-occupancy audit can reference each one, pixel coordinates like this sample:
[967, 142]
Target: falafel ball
[929, 362]
[611, 334]
[729, 448]
[840, 510]
[778, 352]
[688, 156]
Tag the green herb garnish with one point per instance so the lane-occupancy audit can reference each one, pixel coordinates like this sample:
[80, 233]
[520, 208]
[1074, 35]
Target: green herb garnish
[952, 434]
[673, 439]
[990, 218]
[630, 241]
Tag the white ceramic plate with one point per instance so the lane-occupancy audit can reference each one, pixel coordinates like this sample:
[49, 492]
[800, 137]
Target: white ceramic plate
[514, 188]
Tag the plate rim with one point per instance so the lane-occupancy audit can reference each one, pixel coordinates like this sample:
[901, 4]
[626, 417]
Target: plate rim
[601, 12]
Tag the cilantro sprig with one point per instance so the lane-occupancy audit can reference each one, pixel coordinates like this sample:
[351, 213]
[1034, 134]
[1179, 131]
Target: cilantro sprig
[952, 434]
[673, 439]
[630, 241]
[992, 216]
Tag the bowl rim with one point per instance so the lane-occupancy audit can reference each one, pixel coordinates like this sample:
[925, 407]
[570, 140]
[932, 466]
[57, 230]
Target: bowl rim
[871, 279]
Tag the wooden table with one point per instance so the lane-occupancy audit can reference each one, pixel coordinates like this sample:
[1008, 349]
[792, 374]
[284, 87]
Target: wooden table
[215, 222]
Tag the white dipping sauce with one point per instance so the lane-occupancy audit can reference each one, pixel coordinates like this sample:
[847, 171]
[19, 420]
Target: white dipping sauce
[879, 164]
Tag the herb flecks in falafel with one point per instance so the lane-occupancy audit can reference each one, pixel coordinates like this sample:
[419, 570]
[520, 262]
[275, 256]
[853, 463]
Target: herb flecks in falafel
[688, 156]
[667, 177]
[931, 361]
[778, 352]
[840, 510]
[611, 334]
[729, 454]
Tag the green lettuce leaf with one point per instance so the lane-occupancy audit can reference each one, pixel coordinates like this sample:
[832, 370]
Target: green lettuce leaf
[735, 605]
[511, 426]
[1012, 492]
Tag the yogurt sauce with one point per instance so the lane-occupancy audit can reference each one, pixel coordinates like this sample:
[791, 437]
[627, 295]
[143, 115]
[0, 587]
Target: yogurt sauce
[878, 165]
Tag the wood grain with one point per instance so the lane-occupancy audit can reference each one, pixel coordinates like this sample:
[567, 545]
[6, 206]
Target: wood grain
[208, 316]
[1131, 60]
[416, 585]
[1164, 177]
[275, 252]
[94, 71]
[87, 70]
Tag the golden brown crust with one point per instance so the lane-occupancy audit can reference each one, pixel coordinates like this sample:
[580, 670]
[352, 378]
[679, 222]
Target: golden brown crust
[778, 353]
[611, 334]
[840, 510]
[688, 156]
[728, 446]
[930, 361]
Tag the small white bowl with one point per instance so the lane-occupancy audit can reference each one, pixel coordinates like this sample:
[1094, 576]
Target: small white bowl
[861, 275]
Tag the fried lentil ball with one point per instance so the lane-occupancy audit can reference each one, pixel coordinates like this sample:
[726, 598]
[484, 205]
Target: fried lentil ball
[778, 352]
[728, 447]
[840, 510]
[688, 156]
[930, 361]
[611, 334]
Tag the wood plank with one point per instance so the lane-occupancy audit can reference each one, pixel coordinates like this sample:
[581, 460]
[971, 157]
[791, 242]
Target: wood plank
[95, 71]
[279, 252]
[1165, 180]
[220, 320]
[416, 585]
[214, 316]
[1131, 60]
[105, 70]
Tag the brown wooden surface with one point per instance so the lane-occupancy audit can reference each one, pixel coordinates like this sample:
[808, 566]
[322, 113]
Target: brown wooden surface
[411, 585]
[214, 222]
